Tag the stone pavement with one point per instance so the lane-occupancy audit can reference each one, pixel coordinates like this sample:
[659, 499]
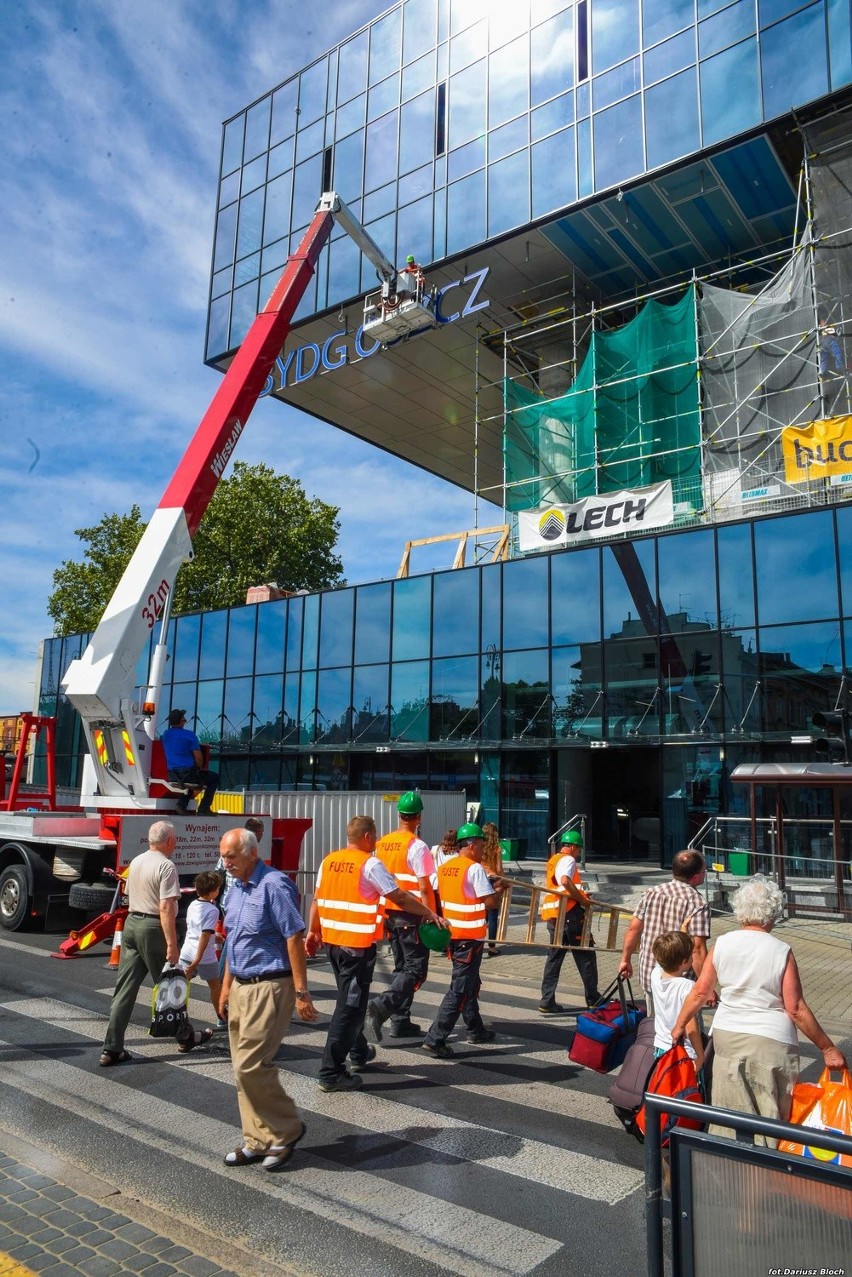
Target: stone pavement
[69, 1223]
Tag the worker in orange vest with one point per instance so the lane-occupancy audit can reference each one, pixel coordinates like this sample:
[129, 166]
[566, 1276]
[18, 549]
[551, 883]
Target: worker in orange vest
[410, 861]
[466, 896]
[349, 886]
[562, 876]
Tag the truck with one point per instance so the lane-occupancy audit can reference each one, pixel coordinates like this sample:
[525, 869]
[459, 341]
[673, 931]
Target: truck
[50, 855]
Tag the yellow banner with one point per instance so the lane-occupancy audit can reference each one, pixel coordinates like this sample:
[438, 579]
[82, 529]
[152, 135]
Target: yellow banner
[819, 449]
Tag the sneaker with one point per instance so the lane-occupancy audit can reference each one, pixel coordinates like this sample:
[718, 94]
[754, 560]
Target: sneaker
[405, 1029]
[439, 1049]
[551, 1008]
[481, 1036]
[373, 1022]
[357, 1065]
[343, 1082]
[221, 1024]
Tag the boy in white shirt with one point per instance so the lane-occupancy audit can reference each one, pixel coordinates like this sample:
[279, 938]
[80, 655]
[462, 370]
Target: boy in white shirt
[198, 954]
[669, 989]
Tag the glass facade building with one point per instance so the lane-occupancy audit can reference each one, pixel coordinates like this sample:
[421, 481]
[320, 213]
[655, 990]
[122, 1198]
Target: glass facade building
[498, 678]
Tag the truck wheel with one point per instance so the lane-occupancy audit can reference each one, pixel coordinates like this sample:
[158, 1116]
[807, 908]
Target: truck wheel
[92, 897]
[14, 897]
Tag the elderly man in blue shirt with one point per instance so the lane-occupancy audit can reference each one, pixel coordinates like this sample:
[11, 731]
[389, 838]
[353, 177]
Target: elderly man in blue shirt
[265, 977]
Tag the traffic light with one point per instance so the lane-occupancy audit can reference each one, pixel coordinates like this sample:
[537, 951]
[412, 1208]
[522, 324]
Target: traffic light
[832, 739]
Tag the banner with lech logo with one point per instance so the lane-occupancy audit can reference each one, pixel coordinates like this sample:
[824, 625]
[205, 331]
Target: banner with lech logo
[594, 517]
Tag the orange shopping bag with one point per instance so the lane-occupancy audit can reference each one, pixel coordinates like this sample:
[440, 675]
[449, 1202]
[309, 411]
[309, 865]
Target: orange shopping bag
[826, 1106]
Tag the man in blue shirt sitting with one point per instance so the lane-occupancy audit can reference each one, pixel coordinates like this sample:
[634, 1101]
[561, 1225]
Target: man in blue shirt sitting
[186, 762]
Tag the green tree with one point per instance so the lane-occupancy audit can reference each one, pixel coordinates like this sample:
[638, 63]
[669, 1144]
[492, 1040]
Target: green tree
[259, 527]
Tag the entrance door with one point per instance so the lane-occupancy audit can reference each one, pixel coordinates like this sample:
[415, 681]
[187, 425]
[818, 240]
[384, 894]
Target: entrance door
[625, 803]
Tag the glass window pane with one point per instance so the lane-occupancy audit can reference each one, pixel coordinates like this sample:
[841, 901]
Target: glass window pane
[370, 720]
[618, 143]
[254, 174]
[724, 113]
[381, 154]
[243, 312]
[509, 193]
[671, 118]
[466, 159]
[251, 215]
[736, 577]
[232, 144]
[349, 166]
[385, 45]
[281, 158]
[312, 88]
[616, 84]
[467, 105]
[310, 631]
[410, 701]
[310, 140]
[632, 695]
[468, 46]
[334, 703]
[525, 603]
[266, 723]
[780, 48]
[552, 57]
[575, 594]
[236, 722]
[257, 128]
[455, 612]
[380, 202]
[351, 116]
[419, 29]
[687, 579]
[419, 76]
[247, 269]
[352, 68]
[413, 185]
[465, 213]
[271, 630]
[308, 708]
[412, 611]
[508, 82]
[526, 696]
[295, 613]
[505, 21]
[383, 97]
[241, 627]
[509, 138]
[554, 181]
[415, 230]
[344, 269]
[218, 326]
[185, 649]
[336, 634]
[455, 698]
[615, 32]
[208, 712]
[417, 132]
[226, 226]
[213, 631]
[464, 12]
[284, 112]
[229, 189]
[807, 542]
[277, 221]
[800, 670]
[672, 56]
[491, 594]
[626, 593]
[736, 22]
[662, 18]
[576, 692]
[307, 188]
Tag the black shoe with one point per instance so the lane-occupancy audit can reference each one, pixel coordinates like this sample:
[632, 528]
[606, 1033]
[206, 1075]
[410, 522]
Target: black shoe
[439, 1049]
[344, 1082]
[483, 1035]
[357, 1065]
[373, 1022]
[594, 1002]
[405, 1029]
[551, 1008]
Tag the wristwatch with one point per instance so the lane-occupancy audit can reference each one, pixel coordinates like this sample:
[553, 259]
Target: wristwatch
[303, 993]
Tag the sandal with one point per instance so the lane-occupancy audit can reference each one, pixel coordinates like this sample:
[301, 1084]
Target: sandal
[243, 1157]
[199, 1038]
[109, 1058]
[277, 1157]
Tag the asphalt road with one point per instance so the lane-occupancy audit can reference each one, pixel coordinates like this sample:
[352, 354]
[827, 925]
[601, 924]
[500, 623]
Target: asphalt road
[506, 1160]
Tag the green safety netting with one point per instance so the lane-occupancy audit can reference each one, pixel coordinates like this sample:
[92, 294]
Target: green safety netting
[631, 417]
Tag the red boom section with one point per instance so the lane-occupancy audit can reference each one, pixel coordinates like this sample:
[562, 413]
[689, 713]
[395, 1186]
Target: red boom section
[210, 449]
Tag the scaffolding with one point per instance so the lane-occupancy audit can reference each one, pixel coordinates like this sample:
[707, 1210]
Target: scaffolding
[732, 387]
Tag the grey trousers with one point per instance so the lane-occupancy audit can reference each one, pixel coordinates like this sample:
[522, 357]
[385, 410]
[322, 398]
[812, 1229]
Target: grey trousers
[143, 952]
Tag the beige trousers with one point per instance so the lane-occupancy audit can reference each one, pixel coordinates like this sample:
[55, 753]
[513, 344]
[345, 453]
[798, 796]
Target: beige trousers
[258, 1017]
[752, 1074]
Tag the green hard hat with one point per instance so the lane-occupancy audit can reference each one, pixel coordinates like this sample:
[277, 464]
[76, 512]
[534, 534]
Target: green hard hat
[410, 804]
[572, 838]
[434, 937]
[466, 832]
[410, 258]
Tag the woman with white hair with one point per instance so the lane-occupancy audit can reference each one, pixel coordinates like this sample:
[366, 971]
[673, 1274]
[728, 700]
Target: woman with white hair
[761, 1006]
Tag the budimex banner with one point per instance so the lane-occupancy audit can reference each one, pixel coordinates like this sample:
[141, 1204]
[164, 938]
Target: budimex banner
[601, 516]
[818, 449]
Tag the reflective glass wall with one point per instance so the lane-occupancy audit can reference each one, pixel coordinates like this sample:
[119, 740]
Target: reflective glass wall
[500, 679]
[445, 123]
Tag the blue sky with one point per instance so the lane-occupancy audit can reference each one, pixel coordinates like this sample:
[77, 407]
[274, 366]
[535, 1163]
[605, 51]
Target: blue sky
[111, 122]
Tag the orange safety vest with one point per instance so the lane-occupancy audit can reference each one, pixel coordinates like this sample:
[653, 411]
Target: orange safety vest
[466, 917]
[549, 907]
[392, 850]
[346, 918]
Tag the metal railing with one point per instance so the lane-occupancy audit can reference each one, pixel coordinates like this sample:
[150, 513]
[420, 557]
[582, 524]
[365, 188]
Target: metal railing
[577, 821]
[742, 1208]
